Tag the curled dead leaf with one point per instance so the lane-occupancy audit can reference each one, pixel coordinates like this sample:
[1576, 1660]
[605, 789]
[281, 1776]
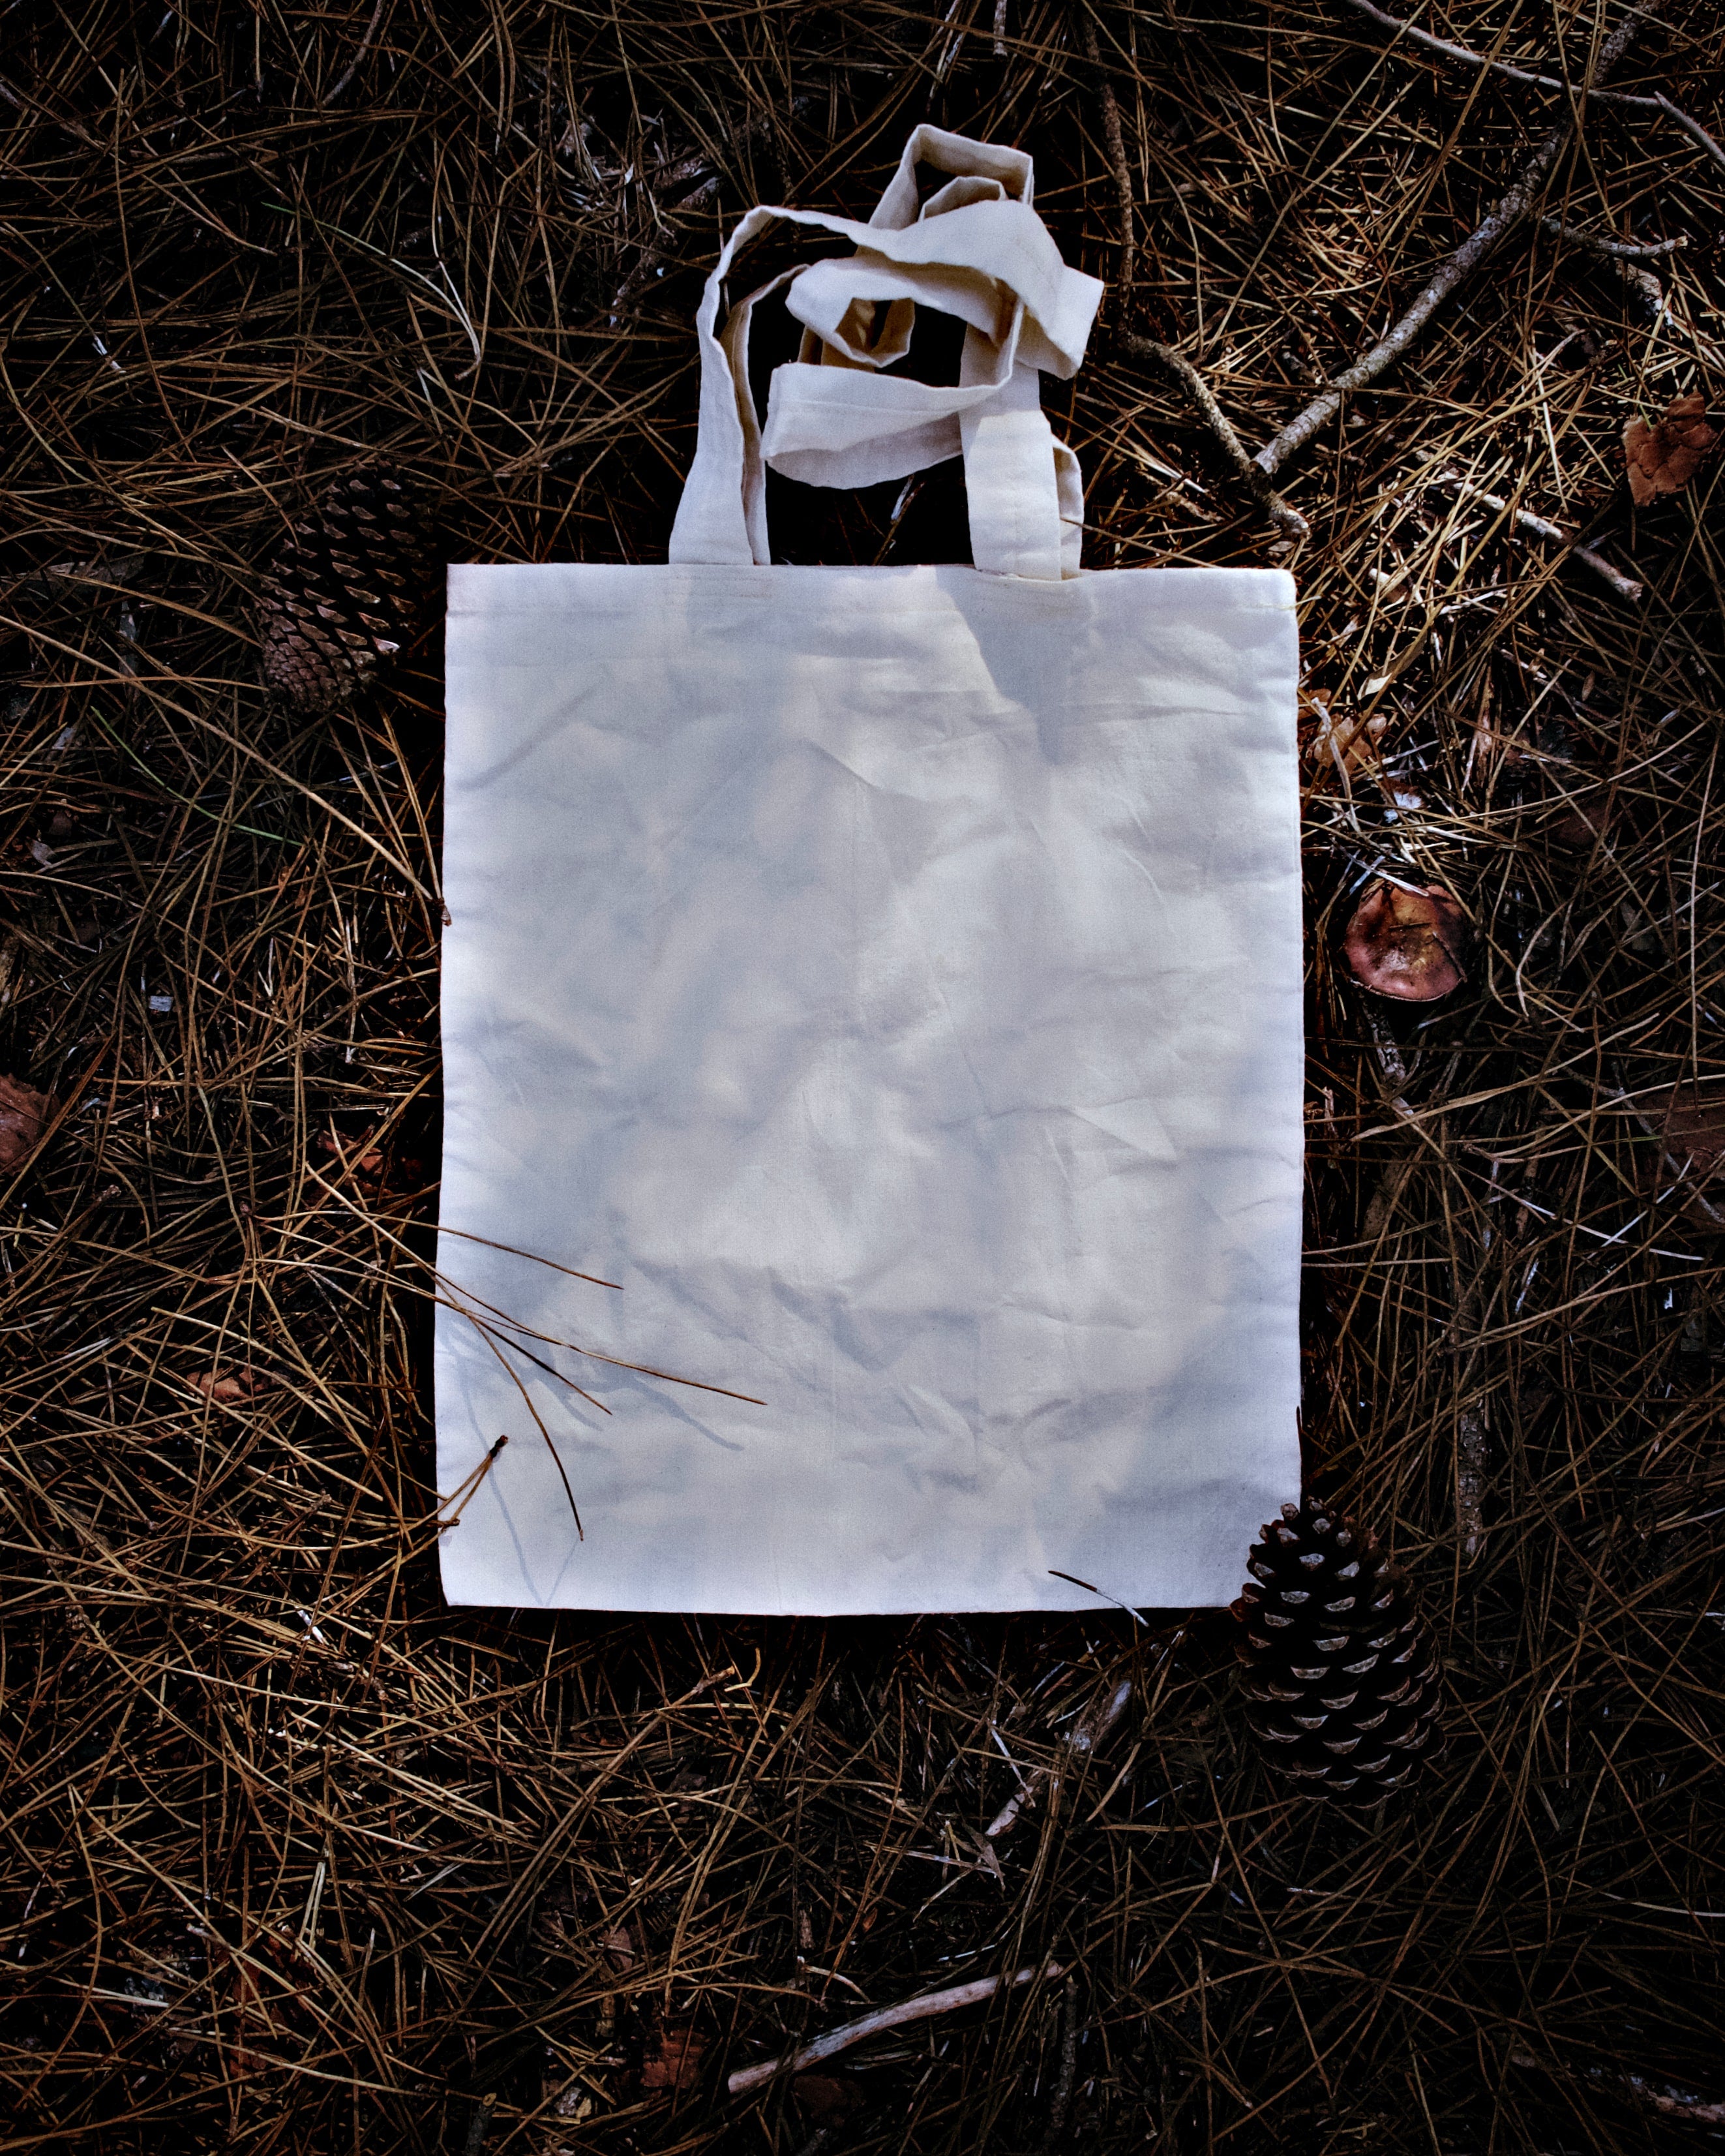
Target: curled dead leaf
[358, 1155]
[1693, 1153]
[230, 1388]
[1662, 459]
[22, 1112]
[825, 2095]
[382, 1175]
[1406, 944]
[1582, 822]
[1348, 740]
[673, 2060]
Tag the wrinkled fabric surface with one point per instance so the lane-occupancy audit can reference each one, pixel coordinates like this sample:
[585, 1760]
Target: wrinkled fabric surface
[892, 979]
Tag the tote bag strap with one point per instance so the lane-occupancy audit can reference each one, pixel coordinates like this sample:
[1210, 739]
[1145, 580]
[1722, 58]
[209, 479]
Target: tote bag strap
[976, 250]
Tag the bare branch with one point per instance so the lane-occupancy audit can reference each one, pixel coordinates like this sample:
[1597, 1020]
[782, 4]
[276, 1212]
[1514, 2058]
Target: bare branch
[1625, 588]
[884, 2017]
[1507, 214]
[353, 66]
[1087, 1733]
[1675, 2102]
[1116, 143]
[1068, 2070]
[1619, 250]
[1281, 512]
[1627, 258]
[1502, 219]
[1659, 102]
[1689, 126]
[1415, 36]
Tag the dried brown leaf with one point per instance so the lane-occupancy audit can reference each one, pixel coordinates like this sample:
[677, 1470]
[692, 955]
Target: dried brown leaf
[1582, 822]
[674, 2061]
[1351, 741]
[1662, 459]
[1693, 1153]
[825, 2095]
[359, 1156]
[1406, 944]
[1695, 1130]
[22, 1112]
[231, 1387]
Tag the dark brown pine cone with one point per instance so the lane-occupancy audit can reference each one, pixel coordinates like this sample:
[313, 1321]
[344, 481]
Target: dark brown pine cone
[1342, 1671]
[346, 591]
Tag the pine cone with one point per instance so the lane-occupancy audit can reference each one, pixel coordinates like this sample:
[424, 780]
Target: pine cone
[346, 590]
[1343, 1669]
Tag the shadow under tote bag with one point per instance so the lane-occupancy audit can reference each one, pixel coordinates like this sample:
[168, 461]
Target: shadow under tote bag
[891, 979]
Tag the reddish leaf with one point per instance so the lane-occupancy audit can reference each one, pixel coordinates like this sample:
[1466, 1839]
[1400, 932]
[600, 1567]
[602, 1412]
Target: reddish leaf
[675, 2060]
[231, 1387]
[1581, 822]
[1694, 1152]
[22, 1112]
[824, 2096]
[1665, 457]
[1349, 740]
[1406, 944]
[359, 1154]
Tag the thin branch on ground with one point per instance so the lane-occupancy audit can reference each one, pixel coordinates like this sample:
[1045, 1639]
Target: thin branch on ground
[1691, 127]
[883, 2018]
[1068, 2069]
[355, 64]
[1281, 512]
[1626, 99]
[1615, 250]
[1115, 142]
[1625, 588]
[1087, 1733]
[1629, 259]
[1505, 214]
[1675, 2102]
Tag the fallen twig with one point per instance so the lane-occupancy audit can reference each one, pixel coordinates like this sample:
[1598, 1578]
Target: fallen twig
[1280, 513]
[1116, 145]
[1674, 2103]
[1619, 250]
[1068, 2069]
[479, 2124]
[1625, 588]
[1658, 102]
[1690, 126]
[1505, 214]
[1628, 257]
[353, 66]
[1083, 1739]
[884, 2017]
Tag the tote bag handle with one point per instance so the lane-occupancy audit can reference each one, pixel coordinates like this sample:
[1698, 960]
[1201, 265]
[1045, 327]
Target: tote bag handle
[976, 250]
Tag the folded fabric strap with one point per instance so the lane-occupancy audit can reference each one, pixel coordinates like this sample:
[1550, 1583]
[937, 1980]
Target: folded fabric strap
[977, 250]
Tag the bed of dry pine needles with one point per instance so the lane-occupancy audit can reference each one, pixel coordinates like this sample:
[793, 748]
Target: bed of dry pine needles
[294, 1857]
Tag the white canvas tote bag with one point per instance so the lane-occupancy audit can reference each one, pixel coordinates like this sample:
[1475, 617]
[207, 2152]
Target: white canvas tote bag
[890, 978]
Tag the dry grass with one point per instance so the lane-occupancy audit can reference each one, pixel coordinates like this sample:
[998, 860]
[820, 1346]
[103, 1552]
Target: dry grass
[296, 1858]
